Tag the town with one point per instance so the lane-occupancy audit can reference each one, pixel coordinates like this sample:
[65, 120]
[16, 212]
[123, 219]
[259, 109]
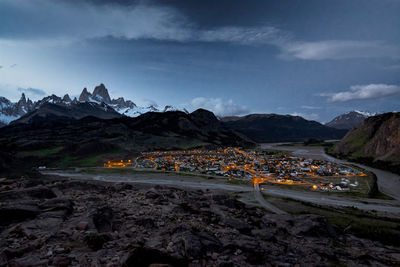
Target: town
[251, 167]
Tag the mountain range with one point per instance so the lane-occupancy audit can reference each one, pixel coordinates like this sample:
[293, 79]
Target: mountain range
[264, 128]
[350, 119]
[258, 127]
[10, 111]
[67, 131]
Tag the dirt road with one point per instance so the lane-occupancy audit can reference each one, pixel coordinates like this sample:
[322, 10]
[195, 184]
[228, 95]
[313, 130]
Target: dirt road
[381, 206]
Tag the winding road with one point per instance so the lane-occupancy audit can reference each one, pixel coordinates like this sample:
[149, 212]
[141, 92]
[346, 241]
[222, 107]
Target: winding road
[388, 183]
[382, 206]
[260, 198]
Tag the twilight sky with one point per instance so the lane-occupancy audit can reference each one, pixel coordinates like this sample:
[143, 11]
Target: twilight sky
[313, 58]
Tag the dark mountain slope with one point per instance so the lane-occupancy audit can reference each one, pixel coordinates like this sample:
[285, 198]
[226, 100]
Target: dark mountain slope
[375, 142]
[280, 128]
[52, 140]
[74, 111]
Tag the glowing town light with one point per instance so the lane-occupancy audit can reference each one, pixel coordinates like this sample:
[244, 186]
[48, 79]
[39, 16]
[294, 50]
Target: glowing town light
[117, 164]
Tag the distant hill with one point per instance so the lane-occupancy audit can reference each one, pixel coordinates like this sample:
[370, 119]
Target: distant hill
[376, 142]
[54, 140]
[349, 120]
[280, 128]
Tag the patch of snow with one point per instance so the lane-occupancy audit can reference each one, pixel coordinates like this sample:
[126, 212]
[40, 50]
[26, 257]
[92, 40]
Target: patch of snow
[133, 112]
[7, 119]
[366, 113]
[91, 99]
[4, 105]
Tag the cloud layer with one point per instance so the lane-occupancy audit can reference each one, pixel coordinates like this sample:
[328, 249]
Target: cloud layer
[32, 91]
[218, 106]
[338, 49]
[307, 116]
[310, 107]
[364, 92]
[65, 22]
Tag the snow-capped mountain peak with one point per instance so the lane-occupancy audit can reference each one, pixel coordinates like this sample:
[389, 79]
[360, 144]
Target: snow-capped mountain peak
[84, 96]
[67, 99]
[350, 119]
[100, 93]
[10, 111]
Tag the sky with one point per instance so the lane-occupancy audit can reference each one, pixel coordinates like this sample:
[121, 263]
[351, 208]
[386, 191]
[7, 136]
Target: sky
[312, 58]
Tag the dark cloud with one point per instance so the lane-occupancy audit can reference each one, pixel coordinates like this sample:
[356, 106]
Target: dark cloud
[175, 50]
[51, 21]
[32, 91]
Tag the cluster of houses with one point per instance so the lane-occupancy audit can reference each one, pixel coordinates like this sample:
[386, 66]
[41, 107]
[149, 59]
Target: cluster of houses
[118, 164]
[250, 165]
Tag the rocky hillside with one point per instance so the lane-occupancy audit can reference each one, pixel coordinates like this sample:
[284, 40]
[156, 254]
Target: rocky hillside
[73, 223]
[349, 120]
[376, 141]
[263, 128]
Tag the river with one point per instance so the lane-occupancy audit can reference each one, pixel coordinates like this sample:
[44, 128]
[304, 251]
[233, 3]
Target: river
[388, 182]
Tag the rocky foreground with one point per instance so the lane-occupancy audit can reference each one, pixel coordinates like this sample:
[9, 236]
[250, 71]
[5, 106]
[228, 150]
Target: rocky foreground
[75, 223]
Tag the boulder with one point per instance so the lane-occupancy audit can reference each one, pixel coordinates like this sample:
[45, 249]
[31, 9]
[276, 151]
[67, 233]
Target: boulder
[144, 257]
[103, 219]
[96, 241]
[313, 226]
[40, 192]
[13, 213]
[237, 224]
[147, 223]
[57, 204]
[28, 261]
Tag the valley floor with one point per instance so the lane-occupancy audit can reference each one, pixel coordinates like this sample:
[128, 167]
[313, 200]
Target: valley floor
[389, 183]
[385, 208]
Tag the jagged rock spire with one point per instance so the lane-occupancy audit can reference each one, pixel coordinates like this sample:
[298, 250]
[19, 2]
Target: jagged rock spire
[100, 93]
[66, 98]
[84, 97]
[23, 98]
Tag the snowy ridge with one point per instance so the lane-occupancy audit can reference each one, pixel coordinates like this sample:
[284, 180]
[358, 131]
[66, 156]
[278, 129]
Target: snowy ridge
[366, 113]
[10, 111]
[350, 119]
